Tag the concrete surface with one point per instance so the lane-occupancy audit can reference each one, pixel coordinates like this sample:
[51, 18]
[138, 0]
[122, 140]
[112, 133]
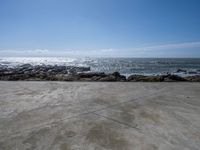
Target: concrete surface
[99, 116]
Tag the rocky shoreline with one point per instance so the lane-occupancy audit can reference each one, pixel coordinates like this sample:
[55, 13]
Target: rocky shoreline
[29, 72]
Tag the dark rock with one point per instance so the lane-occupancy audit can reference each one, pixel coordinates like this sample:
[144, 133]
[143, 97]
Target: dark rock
[113, 77]
[95, 78]
[171, 78]
[166, 78]
[91, 74]
[74, 70]
[145, 78]
[82, 69]
[193, 78]
[116, 74]
[70, 78]
[26, 66]
[108, 78]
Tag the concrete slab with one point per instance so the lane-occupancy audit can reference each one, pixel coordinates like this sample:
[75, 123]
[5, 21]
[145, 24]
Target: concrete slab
[99, 116]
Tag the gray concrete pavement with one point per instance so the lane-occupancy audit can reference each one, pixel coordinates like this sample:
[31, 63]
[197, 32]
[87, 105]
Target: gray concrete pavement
[99, 116]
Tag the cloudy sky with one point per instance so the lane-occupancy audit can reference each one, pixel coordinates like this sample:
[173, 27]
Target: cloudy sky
[100, 28]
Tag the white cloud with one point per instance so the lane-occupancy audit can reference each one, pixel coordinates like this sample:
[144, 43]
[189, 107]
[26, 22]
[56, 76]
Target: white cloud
[171, 46]
[42, 51]
[162, 50]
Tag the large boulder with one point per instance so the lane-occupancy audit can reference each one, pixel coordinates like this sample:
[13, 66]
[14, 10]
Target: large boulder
[118, 76]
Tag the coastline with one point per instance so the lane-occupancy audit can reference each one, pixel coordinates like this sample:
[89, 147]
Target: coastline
[30, 72]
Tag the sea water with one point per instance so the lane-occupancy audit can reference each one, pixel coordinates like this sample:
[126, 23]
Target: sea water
[126, 66]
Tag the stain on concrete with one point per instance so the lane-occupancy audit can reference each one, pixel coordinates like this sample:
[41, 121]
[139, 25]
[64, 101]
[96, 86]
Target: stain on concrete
[150, 115]
[149, 147]
[61, 138]
[104, 136]
[34, 137]
[65, 146]
[102, 101]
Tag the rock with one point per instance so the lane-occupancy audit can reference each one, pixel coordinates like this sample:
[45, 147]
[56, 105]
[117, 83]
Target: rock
[74, 70]
[145, 78]
[193, 78]
[166, 78]
[113, 77]
[26, 66]
[82, 69]
[95, 78]
[70, 73]
[91, 74]
[116, 74]
[169, 78]
[9, 72]
[108, 78]
[58, 69]
[70, 78]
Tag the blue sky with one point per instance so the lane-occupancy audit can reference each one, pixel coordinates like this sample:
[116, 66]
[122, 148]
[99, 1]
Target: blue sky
[108, 28]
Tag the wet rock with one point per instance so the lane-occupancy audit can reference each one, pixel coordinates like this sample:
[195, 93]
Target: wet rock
[108, 78]
[118, 76]
[9, 72]
[82, 69]
[113, 77]
[142, 78]
[24, 66]
[70, 78]
[74, 70]
[91, 74]
[193, 78]
[171, 78]
[165, 78]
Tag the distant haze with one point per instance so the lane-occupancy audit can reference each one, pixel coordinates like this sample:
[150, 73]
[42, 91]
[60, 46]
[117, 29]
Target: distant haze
[100, 28]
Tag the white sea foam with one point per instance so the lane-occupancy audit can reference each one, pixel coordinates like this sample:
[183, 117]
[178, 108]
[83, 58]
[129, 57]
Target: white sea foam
[15, 61]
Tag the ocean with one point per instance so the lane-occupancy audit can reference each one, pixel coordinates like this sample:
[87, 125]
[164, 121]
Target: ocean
[126, 66]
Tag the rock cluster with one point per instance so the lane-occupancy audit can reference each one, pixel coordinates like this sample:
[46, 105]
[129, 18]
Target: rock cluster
[161, 78]
[71, 73]
[56, 73]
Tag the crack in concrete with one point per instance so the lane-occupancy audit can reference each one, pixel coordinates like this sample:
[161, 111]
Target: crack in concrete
[119, 122]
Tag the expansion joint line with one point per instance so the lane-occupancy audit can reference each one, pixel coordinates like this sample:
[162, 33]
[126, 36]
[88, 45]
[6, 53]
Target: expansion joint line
[119, 122]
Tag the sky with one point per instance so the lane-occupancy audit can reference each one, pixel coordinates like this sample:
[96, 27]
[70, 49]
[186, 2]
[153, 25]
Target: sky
[100, 28]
